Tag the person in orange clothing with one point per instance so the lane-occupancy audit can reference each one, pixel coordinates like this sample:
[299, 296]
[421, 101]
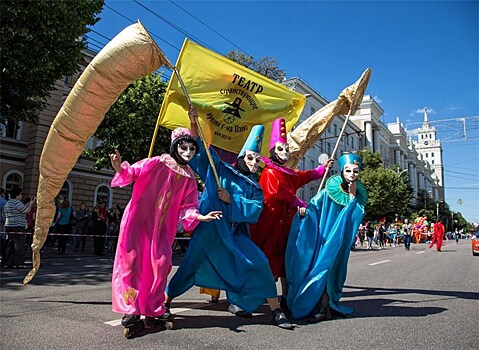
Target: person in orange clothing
[438, 235]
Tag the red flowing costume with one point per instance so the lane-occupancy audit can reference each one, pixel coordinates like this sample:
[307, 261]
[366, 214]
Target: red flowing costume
[271, 232]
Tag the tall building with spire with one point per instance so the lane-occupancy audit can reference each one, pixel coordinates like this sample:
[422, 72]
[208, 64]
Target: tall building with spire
[430, 150]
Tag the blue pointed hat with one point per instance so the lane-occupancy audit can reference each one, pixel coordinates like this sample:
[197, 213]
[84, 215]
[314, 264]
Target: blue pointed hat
[254, 140]
[349, 158]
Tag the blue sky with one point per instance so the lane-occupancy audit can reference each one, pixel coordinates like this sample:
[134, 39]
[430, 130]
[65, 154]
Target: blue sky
[422, 54]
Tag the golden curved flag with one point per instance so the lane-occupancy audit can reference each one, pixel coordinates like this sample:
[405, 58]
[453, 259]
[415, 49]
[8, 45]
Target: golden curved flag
[131, 55]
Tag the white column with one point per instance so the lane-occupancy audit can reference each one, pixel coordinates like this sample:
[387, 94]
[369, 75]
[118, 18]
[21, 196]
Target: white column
[369, 136]
[397, 157]
[376, 142]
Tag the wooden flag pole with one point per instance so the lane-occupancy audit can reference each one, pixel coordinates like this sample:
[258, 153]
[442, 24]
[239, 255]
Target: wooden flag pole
[336, 148]
[200, 131]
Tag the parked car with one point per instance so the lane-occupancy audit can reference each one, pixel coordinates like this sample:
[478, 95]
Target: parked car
[475, 243]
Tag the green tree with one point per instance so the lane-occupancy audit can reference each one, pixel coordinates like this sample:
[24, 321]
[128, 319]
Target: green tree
[389, 191]
[40, 42]
[267, 66]
[130, 123]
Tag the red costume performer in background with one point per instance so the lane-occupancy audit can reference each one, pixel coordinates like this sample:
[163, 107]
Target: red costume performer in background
[438, 235]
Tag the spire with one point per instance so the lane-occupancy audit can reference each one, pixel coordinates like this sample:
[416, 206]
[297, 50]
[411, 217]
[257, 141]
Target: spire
[426, 124]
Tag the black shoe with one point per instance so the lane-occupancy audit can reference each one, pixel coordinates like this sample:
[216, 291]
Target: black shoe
[323, 314]
[283, 304]
[130, 320]
[167, 316]
[236, 310]
[280, 320]
[154, 321]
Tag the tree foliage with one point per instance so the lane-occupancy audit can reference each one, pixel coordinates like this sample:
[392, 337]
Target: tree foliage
[130, 123]
[39, 44]
[267, 66]
[389, 190]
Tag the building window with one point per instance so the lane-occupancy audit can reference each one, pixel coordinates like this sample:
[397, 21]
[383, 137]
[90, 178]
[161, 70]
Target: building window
[422, 136]
[311, 192]
[432, 161]
[312, 110]
[103, 192]
[329, 148]
[301, 164]
[432, 154]
[312, 164]
[335, 130]
[11, 130]
[426, 155]
[66, 191]
[12, 179]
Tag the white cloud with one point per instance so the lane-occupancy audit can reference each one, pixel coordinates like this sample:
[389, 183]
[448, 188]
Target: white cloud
[452, 108]
[421, 111]
[377, 99]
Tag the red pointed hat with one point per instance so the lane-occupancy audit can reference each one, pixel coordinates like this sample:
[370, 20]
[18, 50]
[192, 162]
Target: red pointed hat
[278, 132]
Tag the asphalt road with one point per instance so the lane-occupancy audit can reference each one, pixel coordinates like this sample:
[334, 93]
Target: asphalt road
[417, 299]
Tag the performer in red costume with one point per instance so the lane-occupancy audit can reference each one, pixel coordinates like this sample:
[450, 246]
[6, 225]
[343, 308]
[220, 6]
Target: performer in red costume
[438, 235]
[279, 184]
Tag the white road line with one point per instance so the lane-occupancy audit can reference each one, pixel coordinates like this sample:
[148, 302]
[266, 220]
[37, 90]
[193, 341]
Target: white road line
[379, 262]
[420, 252]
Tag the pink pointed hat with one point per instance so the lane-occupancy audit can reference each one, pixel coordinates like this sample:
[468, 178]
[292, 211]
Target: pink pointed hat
[180, 132]
[278, 132]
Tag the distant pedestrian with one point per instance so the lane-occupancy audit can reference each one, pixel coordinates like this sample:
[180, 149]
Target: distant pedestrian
[2, 222]
[457, 235]
[99, 218]
[438, 235]
[370, 236]
[407, 228]
[63, 224]
[80, 230]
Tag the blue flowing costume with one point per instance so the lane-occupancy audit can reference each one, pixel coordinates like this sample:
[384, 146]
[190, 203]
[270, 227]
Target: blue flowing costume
[318, 247]
[221, 254]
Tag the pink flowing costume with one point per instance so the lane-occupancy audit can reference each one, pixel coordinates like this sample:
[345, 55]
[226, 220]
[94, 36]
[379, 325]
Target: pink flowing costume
[163, 193]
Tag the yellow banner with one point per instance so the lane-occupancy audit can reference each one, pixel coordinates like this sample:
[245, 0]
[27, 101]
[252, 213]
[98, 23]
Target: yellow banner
[230, 99]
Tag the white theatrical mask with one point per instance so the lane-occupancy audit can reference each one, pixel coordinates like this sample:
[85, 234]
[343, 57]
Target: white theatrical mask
[252, 160]
[351, 172]
[187, 151]
[282, 151]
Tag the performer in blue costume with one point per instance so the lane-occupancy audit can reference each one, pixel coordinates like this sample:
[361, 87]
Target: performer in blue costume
[222, 255]
[320, 241]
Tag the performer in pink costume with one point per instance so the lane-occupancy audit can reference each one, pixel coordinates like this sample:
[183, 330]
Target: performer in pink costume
[165, 191]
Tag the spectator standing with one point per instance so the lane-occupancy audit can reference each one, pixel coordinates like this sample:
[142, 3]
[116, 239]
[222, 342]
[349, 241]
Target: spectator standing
[82, 218]
[458, 235]
[370, 235]
[63, 224]
[382, 236]
[2, 222]
[15, 227]
[99, 218]
[407, 227]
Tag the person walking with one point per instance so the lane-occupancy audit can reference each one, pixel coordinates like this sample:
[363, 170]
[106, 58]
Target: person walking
[99, 219]
[319, 244]
[438, 235]
[370, 235]
[407, 228]
[15, 227]
[280, 184]
[221, 254]
[165, 190]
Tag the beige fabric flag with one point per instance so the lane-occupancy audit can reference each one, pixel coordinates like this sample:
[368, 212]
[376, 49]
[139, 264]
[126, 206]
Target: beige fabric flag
[131, 55]
[302, 138]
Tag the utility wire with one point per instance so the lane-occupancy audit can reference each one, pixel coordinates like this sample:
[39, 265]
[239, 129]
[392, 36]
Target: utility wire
[172, 24]
[207, 26]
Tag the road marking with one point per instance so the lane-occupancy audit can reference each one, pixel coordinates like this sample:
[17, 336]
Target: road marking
[379, 262]
[420, 252]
